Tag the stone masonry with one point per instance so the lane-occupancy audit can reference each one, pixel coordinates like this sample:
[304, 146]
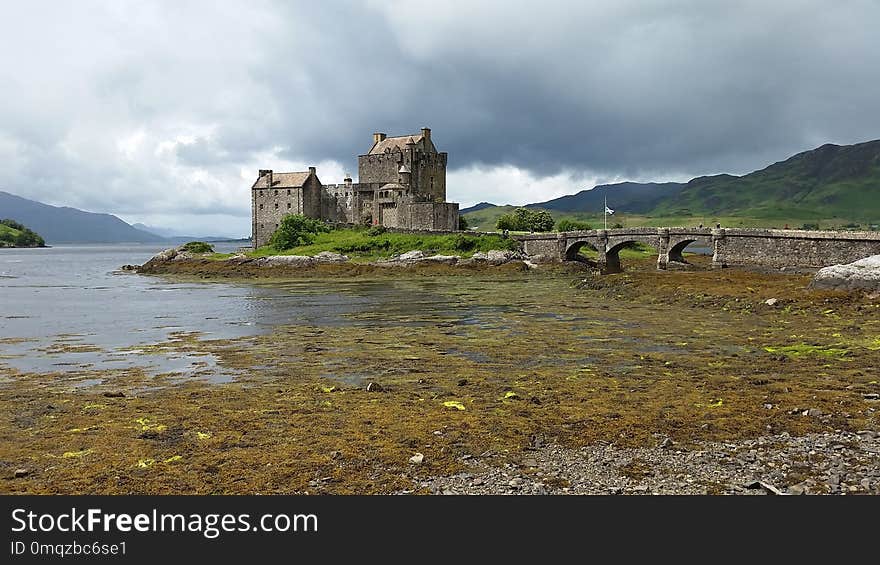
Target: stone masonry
[730, 247]
[402, 184]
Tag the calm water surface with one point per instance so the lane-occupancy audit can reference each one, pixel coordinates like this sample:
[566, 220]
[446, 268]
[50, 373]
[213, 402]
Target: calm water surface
[68, 308]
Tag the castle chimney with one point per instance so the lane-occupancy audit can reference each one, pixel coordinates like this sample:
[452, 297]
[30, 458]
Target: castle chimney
[266, 173]
[377, 137]
[347, 181]
[312, 170]
[426, 133]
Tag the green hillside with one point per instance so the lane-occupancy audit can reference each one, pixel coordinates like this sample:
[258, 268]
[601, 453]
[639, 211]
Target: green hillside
[831, 181]
[832, 186]
[13, 234]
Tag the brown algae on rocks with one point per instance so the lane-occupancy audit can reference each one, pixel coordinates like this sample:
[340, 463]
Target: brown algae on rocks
[558, 354]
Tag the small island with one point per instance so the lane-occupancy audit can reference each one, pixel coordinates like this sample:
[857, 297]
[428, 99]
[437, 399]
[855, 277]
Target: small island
[14, 234]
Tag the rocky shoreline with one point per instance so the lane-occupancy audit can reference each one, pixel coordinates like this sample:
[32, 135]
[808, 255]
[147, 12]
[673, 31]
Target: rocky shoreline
[178, 261]
[823, 463]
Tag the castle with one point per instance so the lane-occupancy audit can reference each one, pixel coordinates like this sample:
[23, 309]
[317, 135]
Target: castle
[402, 184]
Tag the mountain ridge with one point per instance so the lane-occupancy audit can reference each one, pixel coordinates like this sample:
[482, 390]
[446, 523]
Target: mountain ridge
[63, 224]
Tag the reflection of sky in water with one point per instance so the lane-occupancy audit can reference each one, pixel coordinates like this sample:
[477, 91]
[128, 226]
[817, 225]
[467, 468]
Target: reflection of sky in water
[73, 296]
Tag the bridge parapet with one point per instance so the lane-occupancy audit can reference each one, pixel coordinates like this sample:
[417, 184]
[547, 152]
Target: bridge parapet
[730, 246]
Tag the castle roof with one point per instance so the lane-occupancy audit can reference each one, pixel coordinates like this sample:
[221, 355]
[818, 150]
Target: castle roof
[283, 180]
[395, 143]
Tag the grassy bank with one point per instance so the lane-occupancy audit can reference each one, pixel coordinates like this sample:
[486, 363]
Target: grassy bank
[369, 245]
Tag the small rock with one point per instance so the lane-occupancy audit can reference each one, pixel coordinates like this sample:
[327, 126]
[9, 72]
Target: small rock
[330, 257]
[375, 387]
[417, 459]
[799, 488]
[771, 301]
[335, 454]
[766, 486]
[871, 396]
[21, 473]
[462, 382]
[813, 413]
[530, 462]
[666, 443]
[768, 406]
[515, 482]
[477, 482]
[115, 394]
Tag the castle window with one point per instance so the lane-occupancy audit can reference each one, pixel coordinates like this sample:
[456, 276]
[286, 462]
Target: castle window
[288, 205]
[276, 205]
[261, 226]
[288, 192]
[261, 206]
[276, 192]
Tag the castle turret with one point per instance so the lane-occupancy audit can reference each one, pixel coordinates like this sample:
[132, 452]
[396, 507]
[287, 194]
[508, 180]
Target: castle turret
[404, 175]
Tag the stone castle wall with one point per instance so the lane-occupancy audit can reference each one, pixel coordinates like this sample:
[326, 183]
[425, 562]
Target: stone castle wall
[269, 206]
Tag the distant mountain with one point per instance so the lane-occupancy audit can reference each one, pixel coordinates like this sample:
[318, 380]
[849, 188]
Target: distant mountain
[176, 236]
[476, 208]
[632, 197]
[161, 232]
[829, 181]
[69, 225]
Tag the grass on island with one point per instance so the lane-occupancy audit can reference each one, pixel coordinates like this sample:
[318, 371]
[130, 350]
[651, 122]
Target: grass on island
[14, 234]
[370, 245]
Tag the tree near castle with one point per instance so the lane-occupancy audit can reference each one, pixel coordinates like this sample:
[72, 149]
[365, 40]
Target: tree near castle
[295, 230]
[523, 219]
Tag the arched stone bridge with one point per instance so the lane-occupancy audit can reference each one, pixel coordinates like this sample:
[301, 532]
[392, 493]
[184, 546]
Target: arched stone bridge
[773, 248]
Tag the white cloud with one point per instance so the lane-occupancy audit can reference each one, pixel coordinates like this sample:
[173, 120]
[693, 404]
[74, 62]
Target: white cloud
[508, 184]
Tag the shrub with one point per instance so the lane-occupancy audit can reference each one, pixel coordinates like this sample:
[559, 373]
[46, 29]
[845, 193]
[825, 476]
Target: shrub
[376, 230]
[541, 221]
[462, 223]
[572, 225]
[524, 219]
[295, 230]
[811, 226]
[197, 247]
[463, 243]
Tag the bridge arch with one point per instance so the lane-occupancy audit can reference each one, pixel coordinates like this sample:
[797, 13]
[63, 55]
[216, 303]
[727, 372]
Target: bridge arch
[572, 251]
[676, 251]
[615, 245]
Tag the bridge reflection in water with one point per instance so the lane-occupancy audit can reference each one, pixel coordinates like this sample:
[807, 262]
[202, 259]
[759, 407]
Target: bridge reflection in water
[729, 247]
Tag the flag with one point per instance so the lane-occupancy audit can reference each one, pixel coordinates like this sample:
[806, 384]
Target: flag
[609, 211]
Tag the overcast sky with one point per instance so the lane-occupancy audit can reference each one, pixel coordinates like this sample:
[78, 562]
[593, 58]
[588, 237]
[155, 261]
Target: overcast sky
[162, 112]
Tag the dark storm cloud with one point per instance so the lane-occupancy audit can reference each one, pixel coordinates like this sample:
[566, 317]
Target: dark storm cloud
[169, 108]
[616, 87]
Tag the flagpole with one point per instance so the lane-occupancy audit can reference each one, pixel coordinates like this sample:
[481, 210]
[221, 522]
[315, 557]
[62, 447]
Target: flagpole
[605, 212]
